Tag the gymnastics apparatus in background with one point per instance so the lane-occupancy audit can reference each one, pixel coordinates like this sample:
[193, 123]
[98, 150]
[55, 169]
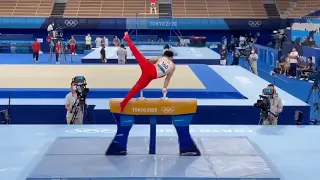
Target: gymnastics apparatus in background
[173, 26]
[180, 110]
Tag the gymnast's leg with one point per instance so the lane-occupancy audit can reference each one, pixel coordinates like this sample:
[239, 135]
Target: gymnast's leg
[139, 57]
[141, 84]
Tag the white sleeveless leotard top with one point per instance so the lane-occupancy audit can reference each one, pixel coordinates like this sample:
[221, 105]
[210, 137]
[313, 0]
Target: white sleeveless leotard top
[164, 67]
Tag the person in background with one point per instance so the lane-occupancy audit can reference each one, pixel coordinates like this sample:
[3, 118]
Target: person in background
[50, 29]
[223, 56]
[103, 54]
[69, 103]
[35, 50]
[58, 50]
[294, 55]
[160, 40]
[236, 56]
[72, 42]
[153, 6]
[98, 42]
[166, 48]
[276, 107]
[122, 54]
[88, 42]
[116, 41]
[312, 43]
[105, 41]
[306, 69]
[253, 60]
[284, 64]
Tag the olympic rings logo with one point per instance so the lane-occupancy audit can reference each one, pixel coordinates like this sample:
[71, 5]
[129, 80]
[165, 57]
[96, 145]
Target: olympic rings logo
[71, 23]
[167, 110]
[254, 23]
[90, 131]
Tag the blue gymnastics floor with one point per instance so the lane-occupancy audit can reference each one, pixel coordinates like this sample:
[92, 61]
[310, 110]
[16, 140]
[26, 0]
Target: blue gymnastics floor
[209, 111]
[222, 115]
[183, 55]
[290, 152]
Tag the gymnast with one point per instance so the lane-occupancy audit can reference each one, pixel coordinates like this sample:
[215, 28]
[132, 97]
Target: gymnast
[156, 67]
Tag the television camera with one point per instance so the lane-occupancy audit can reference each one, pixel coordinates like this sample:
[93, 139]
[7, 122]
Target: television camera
[81, 89]
[80, 84]
[264, 103]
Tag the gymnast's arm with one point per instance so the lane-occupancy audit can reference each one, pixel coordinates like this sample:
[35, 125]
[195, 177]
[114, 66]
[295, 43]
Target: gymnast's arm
[168, 78]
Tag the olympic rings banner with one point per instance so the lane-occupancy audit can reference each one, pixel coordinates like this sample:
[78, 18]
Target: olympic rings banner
[145, 23]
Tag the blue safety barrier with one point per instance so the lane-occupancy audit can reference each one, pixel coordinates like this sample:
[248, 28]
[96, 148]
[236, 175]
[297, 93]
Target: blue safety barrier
[267, 55]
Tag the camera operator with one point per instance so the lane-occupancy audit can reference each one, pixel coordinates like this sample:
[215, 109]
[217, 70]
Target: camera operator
[70, 100]
[253, 59]
[223, 55]
[275, 106]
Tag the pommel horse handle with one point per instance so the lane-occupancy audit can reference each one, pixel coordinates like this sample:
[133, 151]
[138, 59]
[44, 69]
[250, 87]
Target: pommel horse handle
[180, 110]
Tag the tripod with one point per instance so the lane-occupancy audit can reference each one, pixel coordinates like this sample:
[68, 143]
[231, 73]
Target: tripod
[315, 92]
[246, 64]
[83, 108]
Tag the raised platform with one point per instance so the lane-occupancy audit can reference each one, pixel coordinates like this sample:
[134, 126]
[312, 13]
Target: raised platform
[209, 111]
[83, 158]
[183, 55]
[288, 150]
[111, 81]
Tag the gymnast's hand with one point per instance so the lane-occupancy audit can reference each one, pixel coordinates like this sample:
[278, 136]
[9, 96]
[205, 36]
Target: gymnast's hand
[164, 91]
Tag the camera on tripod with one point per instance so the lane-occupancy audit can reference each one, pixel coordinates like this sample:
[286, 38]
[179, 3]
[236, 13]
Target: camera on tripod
[264, 103]
[81, 89]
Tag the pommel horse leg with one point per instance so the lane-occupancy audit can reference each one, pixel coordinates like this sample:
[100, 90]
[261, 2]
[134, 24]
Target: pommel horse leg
[180, 110]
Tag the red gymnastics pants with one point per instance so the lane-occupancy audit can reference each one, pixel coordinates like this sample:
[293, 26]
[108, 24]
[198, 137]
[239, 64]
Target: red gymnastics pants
[148, 74]
[72, 48]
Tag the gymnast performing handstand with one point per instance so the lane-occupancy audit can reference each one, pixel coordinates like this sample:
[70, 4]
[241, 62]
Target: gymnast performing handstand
[157, 67]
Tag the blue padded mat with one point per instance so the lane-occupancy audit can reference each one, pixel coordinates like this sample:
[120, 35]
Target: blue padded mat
[140, 145]
[83, 159]
[216, 88]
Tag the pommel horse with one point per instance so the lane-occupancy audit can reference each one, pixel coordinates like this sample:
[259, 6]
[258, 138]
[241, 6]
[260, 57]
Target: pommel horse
[180, 110]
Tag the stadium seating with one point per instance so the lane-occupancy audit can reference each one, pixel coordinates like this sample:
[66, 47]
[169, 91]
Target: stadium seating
[39, 8]
[283, 6]
[106, 8]
[304, 7]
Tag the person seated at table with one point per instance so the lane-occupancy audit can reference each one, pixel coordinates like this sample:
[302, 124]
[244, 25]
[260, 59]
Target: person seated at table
[284, 64]
[306, 69]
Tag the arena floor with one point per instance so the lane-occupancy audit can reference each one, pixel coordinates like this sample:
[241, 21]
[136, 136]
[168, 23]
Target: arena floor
[29, 144]
[97, 76]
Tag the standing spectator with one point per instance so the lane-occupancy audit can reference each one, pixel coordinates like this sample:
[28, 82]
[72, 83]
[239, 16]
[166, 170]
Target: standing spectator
[72, 42]
[166, 48]
[153, 6]
[98, 42]
[58, 49]
[223, 56]
[105, 41]
[294, 55]
[88, 42]
[103, 54]
[253, 60]
[36, 50]
[236, 56]
[116, 41]
[122, 54]
[50, 29]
